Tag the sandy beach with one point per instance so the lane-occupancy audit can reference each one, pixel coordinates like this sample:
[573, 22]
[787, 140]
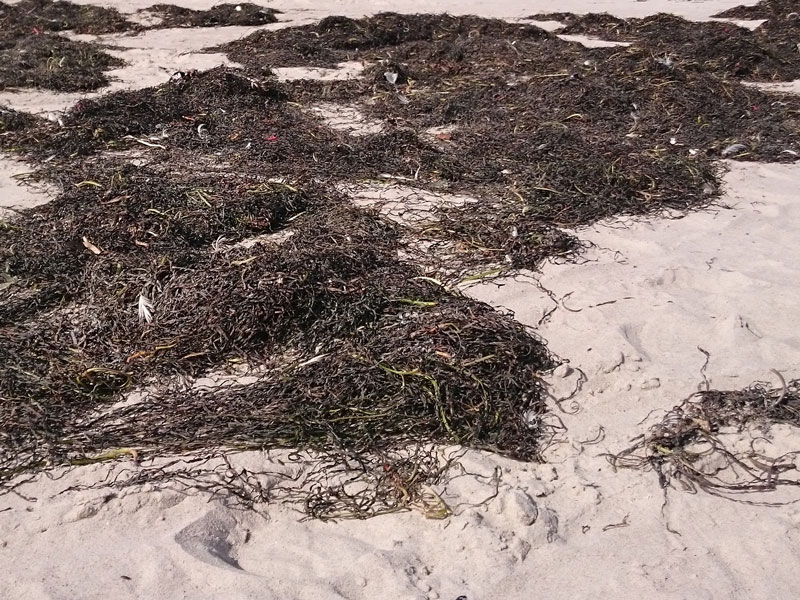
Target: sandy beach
[655, 309]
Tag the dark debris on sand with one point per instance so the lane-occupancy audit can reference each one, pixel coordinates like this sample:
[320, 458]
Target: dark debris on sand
[52, 62]
[202, 229]
[686, 449]
[765, 9]
[710, 47]
[396, 359]
[782, 27]
[338, 39]
[354, 345]
[33, 55]
[242, 14]
[32, 16]
[13, 120]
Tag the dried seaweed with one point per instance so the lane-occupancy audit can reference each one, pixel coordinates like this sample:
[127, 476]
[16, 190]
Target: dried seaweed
[336, 484]
[32, 55]
[53, 62]
[338, 39]
[712, 47]
[13, 120]
[35, 16]
[354, 347]
[202, 230]
[220, 15]
[687, 448]
[765, 9]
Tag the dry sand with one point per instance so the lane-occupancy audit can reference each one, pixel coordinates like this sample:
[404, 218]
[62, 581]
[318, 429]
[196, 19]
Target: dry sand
[631, 318]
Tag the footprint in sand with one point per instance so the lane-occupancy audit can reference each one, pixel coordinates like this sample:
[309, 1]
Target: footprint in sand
[213, 539]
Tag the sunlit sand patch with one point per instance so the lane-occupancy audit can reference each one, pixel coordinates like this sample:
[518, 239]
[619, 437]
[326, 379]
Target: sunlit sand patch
[415, 209]
[277, 238]
[151, 57]
[787, 87]
[441, 130]
[592, 42]
[441, 133]
[547, 25]
[144, 18]
[343, 72]
[346, 118]
[145, 68]
[14, 194]
[42, 102]
[404, 204]
[751, 25]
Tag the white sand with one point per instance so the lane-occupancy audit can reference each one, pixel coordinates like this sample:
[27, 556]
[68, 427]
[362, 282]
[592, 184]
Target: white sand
[13, 194]
[631, 318]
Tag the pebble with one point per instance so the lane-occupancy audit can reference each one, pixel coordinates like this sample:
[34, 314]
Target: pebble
[651, 384]
[521, 508]
[563, 370]
[614, 364]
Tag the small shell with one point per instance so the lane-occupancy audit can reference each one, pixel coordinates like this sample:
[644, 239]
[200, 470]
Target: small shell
[733, 149]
